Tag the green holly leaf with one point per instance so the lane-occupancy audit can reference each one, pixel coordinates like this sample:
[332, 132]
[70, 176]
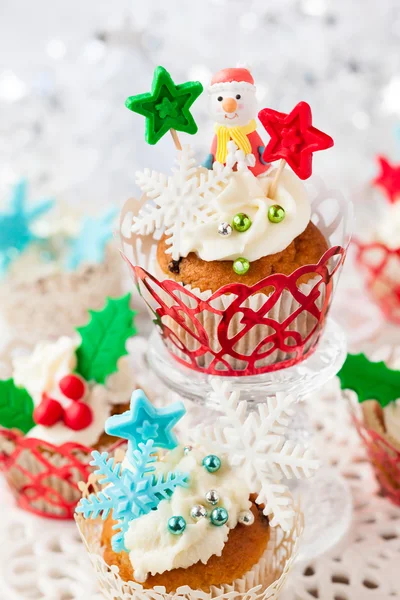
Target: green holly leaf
[16, 407]
[103, 339]
[166, 106]
[370, 380]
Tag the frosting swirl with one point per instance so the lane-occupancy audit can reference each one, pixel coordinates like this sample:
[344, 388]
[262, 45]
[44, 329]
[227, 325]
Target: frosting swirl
[152, 549]
[40, 373]
[246, 193]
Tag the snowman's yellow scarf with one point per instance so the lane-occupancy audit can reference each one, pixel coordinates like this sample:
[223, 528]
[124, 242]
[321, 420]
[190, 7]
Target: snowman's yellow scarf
[237, 134]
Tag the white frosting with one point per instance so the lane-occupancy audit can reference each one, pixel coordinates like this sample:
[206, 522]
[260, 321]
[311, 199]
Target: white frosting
[391, 417]
[391, 412]
[388, 228]
[152, 549]
[246, 193]
[40, 373]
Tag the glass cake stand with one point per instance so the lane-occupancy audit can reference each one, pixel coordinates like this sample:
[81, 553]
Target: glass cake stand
[326, 498]
[301, 379]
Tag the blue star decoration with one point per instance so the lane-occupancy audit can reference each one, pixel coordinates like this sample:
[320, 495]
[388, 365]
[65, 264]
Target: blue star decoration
[144, 421]
[89, 246]
[15, 225]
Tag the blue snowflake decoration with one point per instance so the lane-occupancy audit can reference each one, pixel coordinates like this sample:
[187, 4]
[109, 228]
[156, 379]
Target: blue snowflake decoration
[90, 245]
[131, 494]
[15, 225]
[144, 421]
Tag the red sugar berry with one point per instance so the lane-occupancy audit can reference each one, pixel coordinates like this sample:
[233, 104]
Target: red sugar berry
[72, 387]
[78, 416]
[48, 412]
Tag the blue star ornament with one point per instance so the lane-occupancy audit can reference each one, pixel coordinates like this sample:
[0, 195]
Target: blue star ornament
[15, 225]
[89, 246]
[144, 421]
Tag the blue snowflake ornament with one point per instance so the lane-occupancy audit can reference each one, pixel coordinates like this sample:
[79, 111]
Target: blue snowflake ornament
[144, 421]
[89, 246]
[130, 493]
[15, 225]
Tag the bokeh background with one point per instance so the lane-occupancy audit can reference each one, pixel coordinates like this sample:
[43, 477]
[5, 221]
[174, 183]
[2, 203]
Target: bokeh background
[67, 67]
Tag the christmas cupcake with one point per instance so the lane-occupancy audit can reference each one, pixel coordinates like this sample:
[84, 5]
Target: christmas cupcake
[200, 519]
[53, 409]
[61, 262]
[375, 402]
[379, 245]
[231, 259]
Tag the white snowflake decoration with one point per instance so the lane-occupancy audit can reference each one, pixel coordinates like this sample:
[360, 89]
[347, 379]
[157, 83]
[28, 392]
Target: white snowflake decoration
[185, 199]
[256, 444]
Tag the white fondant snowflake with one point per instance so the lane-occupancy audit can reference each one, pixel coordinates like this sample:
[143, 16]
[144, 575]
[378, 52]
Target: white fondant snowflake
[256, 444]
[182, 200]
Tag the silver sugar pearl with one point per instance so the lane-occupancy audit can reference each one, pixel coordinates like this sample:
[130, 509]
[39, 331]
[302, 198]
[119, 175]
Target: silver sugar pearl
[224, 228]
[246, 517]
[198, 511]
[187, 449]
[212, 497]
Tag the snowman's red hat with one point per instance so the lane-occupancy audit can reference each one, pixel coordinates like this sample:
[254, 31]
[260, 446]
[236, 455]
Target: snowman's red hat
[234, 78]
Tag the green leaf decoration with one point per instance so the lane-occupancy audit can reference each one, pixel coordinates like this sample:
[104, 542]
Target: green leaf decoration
[370, 380]
[16, 407]
[103, 339]
[166, 106]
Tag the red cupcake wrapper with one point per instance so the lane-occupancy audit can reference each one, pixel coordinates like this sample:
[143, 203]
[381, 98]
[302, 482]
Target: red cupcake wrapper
[42, 477]
[239, 330]
[385, 459]
[382, 267]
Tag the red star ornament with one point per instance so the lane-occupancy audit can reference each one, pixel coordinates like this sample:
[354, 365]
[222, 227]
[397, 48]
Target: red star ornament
[293, 138]
[388, 179]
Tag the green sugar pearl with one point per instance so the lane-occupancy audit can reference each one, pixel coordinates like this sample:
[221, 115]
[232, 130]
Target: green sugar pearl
[241, 222]
[212, 463]
[241, 266]
[176, 525]
[219, 516]
[276, 213]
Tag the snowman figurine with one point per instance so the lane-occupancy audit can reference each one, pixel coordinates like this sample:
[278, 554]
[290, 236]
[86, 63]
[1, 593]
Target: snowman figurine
[233, 104]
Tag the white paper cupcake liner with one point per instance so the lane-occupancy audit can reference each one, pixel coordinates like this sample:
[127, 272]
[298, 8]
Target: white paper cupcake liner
[286, 305]
[263, 582]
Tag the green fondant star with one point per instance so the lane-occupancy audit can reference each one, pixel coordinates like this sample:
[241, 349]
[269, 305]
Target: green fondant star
[166, 106]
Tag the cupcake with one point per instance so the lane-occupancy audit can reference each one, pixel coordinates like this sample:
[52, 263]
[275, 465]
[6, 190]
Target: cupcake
[62, 262]
[234, 262]
[375, 405]
[204, 518]
[379, 243]
[54, 405]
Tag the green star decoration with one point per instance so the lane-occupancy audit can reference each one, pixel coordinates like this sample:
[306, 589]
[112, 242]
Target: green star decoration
[166, 106]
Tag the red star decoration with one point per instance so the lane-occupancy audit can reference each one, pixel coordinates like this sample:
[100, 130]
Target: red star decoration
[293, 138]
[388, 179]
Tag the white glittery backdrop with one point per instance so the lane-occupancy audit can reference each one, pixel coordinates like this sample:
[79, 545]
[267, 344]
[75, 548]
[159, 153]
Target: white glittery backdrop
[67, 67]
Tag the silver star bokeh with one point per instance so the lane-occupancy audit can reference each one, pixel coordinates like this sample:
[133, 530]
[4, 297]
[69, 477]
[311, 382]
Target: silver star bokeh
[66, 69]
